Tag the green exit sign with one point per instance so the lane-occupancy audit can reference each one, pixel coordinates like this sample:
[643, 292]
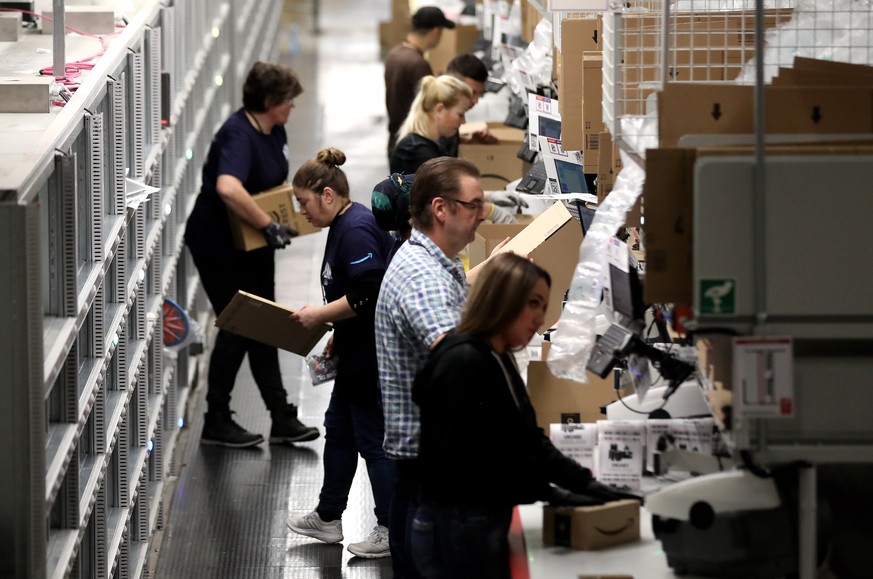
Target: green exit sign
[718, 296]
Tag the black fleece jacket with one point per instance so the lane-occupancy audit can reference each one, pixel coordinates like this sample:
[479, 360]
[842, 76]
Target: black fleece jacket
[480, 443]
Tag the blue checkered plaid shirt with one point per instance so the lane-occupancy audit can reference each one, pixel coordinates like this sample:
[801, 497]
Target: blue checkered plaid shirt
[421, 298]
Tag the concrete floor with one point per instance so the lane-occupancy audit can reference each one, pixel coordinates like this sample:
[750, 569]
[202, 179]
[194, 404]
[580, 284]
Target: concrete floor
[227, 515]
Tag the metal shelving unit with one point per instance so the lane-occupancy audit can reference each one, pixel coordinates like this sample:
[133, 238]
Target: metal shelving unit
[95, 403]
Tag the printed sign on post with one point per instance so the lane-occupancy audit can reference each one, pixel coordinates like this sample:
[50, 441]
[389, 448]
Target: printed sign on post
[763, 381]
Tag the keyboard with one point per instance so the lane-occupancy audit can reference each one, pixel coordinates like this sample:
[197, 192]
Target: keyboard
[534, 181]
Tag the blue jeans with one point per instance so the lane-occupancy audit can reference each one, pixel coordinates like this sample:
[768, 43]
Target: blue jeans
[402, 512]
[351, 428]
[461, 542]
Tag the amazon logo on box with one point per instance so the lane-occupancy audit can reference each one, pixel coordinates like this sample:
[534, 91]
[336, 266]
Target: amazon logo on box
[590, 528]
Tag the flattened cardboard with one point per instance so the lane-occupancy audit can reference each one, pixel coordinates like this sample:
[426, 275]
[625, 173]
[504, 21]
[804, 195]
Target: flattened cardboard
[278, 203]
[265, 321]
[669, 227]
[591, 528]
[552, 241]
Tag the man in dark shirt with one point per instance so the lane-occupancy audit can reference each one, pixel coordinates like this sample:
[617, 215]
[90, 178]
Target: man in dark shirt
[471, 70]
[405, 66]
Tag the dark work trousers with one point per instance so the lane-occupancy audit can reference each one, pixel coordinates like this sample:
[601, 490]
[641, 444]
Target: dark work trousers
[252, 272]
[461, 542]
[403, 507]
[352, 427]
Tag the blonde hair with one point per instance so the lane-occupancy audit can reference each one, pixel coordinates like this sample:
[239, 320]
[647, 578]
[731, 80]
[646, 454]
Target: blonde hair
[323, 171]
[446, 90]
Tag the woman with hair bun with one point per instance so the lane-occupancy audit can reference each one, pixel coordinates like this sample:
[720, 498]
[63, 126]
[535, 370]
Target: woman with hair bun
[355, 259]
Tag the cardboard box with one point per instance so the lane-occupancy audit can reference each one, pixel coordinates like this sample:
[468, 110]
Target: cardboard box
[592, 109]
[265, 321]
[669, 227]
[392, 32]
[498, 162]
[10, 26]
[578, 35]
[455, 41]
[279, 204]
[552, 241]
[585, 28]
[707, 109]
[560, 401]
[25, 94]
[590, 528]
[87, 19]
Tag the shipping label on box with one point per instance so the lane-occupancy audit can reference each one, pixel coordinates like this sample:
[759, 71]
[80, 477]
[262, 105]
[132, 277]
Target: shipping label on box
[278, 203]
[578, 441]
[620, 452]
[589, 528]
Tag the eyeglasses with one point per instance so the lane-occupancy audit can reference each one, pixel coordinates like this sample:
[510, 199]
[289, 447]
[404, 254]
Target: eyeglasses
[474, 205]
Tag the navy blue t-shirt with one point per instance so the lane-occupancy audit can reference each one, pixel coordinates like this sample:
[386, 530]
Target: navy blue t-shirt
[238, 149]
[355, 245]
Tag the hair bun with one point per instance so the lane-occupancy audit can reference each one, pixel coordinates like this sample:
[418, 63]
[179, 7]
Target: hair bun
[331, 156]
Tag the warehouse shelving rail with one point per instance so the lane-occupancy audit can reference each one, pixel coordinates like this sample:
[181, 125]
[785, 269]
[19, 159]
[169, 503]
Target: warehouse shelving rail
[94, 402]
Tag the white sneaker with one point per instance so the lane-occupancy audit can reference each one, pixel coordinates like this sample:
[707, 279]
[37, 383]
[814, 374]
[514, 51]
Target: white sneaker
[375, 546]
[311, 525]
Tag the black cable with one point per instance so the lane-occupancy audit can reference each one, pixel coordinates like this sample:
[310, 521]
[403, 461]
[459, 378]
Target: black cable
[623, 403]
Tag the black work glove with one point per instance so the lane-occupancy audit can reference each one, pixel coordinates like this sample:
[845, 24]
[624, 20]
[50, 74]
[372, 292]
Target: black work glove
[593, 493]
[278, 235]
[608, 493]
[560, 497]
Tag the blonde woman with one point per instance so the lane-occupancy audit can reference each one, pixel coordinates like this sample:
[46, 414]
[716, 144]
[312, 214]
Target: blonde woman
[437, 111]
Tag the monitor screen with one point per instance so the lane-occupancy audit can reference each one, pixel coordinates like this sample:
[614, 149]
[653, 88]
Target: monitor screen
[571, 178]
[622, 301]
[549, 128]
[586, 216]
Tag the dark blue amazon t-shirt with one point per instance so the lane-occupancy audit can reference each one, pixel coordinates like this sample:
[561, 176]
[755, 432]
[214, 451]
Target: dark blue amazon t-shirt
[259, 161]
[355, 245]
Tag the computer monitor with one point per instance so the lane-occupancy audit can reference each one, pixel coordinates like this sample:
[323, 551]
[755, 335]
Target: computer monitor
[550, 128]
[571, 177]
[627, 291]
[586, 215]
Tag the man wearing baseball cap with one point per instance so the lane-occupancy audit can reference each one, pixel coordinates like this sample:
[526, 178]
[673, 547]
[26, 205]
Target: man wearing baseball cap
[405, 65]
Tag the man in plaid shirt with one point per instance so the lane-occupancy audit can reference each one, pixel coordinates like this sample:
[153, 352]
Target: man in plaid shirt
[422, 294]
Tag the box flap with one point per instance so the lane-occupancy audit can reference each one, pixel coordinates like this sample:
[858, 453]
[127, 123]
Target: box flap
[540, 230]
[267, 322]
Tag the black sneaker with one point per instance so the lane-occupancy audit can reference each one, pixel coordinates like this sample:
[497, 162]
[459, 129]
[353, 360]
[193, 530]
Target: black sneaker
[286, 428]
[220, 430]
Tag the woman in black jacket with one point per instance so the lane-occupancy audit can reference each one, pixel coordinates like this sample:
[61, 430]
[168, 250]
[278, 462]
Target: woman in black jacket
[481, 450]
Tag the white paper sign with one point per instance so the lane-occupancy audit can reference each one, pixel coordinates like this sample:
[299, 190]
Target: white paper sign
[620, 452]
[578, 441]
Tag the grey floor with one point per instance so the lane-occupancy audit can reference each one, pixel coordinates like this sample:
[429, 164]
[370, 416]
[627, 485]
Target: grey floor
[226, 518]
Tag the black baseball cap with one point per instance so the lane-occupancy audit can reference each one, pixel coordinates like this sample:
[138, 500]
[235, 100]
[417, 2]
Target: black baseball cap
[429, 17]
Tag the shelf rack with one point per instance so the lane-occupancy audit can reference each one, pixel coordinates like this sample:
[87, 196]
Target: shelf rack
[94, 401]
